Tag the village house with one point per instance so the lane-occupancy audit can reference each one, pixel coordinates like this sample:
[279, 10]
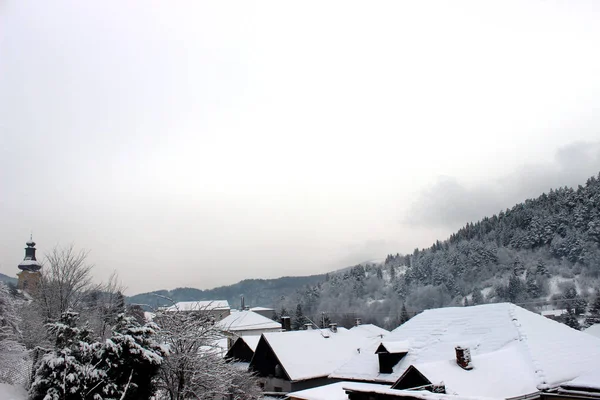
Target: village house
[496, 351]
[216, 310]
[296, 360]
[246, 323]
[243, 349]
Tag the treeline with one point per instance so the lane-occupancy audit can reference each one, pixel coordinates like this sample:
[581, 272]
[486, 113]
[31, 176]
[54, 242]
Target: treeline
[543, 251]
[256, 292]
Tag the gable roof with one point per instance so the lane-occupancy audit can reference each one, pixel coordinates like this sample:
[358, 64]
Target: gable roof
[204, 305]
[246, 320]
[540, 345]
[313, 353]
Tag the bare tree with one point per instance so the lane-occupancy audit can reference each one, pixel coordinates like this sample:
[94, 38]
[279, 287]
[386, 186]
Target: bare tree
[66, 279]
[194, 367]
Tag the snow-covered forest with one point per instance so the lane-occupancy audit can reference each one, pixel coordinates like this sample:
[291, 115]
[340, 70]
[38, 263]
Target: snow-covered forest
[542, 253]
[70, 338]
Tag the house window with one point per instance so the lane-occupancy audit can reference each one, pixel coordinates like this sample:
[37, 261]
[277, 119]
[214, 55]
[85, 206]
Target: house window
[262, 385]
[277, 389]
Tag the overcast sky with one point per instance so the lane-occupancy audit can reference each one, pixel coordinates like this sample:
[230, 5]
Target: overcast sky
[201, 143]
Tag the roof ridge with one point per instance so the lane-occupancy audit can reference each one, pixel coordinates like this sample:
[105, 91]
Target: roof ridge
[522, 337]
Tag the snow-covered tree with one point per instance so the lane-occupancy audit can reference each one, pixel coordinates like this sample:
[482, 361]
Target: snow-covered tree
[194, 367]
[594, 311]
[12, 353]
[298, 320]
[70, 370]
[132, 357]
[78, 367]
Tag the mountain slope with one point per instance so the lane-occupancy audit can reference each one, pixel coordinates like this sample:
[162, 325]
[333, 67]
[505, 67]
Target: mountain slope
[542, 252]
[8, 279]
[256, 292]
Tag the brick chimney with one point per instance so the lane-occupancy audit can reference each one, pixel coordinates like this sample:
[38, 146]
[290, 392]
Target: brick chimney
[463, 357]
[286, 323]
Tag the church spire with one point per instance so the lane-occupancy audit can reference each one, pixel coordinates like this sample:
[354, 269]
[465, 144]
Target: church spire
[30, 263]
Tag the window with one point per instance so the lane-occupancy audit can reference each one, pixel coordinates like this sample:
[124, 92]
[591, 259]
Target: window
[277, 389]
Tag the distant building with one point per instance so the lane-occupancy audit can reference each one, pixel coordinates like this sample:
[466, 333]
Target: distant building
[29, 277]
[264, 311]
[216, 310]
[244, 323]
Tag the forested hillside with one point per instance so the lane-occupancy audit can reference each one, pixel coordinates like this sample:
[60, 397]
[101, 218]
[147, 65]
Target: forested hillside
[256, 292]
[543, 253]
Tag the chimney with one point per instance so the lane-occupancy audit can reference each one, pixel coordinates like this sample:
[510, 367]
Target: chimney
[308, 327]
[243, 305]
[286, 324]
[333, 327]
[463, 357]
[357, 321]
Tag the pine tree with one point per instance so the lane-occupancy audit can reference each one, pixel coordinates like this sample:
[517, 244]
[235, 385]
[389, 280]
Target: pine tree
[404, 315]
[532, 287]
[132, 357]
[299, 320]
[594, 311]
[70, 371]
[570, 319]
[478, 297]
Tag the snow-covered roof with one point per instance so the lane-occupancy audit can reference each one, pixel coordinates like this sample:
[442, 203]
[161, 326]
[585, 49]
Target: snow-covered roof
[245, 321]
[313, 353]
[587, 381]
[261, 309]
[251, 340]
[369, 330]
[593, 330]
[396, 347]
[507, 368]
[546, 352]
[205, 305]
[337, 391]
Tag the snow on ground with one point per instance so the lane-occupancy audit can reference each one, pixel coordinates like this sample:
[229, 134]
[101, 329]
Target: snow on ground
[10, 392]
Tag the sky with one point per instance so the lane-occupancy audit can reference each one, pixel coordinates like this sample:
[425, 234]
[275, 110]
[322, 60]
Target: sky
[200, 143]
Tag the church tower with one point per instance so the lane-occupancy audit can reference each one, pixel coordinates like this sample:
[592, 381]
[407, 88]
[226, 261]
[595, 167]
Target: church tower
[29, 276]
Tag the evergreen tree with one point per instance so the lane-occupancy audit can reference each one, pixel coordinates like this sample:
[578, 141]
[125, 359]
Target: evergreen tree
[298, 320]
[477, 297]
[594, 311]
[515, 289]
[404, 315]
[532, 286]
[133, 357]
[69, 371]
[570, 319]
